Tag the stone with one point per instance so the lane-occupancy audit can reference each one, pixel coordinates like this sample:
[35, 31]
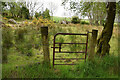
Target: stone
[63, 22]
[12, 21]
[2, 24]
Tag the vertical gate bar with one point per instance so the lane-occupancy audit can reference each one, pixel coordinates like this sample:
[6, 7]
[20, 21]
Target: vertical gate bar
[86, 46]
[53, 50]
[59, 47]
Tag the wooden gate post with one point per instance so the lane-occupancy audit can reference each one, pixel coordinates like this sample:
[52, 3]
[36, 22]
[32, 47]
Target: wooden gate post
[93, 44]
[45, 42]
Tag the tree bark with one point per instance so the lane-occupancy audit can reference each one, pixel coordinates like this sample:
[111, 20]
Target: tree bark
[103, 46]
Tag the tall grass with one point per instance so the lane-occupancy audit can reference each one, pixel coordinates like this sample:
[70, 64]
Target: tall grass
[106, 67]
[22, 66]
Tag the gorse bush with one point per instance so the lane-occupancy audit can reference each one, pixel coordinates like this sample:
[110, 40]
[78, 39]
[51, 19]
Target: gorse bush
[38, 22]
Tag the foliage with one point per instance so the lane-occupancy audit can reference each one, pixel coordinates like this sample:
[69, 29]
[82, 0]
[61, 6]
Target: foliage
[16, 10]
[95, 11]
[25, 61]
[84, 22]
[75, 19]
[46, 14]
[36, 14]
[25, 13]
[118, 7]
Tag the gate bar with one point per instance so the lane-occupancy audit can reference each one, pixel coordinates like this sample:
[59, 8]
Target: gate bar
[70, 43]
[68, 58]
[65, 64]
[68, 52]
[86, 46]
[70, 34]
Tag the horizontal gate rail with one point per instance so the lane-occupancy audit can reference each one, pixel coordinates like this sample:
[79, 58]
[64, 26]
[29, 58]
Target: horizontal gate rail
[70, 43]
[65, 64]
[70, 34]
[55, 47]
[68, 58]
[67, 52]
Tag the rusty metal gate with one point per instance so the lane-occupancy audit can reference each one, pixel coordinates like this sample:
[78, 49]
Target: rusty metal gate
[59, 47]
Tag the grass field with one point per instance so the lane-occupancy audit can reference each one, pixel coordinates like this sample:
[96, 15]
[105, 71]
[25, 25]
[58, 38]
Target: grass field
[57, 19]
[22, 66]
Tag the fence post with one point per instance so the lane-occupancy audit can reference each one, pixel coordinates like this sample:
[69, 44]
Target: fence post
[45, 42]
[93, 44]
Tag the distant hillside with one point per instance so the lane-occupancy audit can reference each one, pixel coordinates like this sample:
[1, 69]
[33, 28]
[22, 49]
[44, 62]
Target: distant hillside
[57, 19]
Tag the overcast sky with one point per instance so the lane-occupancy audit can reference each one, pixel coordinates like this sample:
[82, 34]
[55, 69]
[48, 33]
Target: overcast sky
[56, 7]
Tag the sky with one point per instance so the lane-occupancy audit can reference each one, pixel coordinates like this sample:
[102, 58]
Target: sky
[58, 9]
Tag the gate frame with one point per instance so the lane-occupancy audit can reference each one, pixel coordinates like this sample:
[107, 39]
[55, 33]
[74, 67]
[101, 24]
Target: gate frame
[68, 43]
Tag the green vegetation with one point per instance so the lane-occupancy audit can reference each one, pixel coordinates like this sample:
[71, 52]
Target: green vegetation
[46, 14]
[57, 19]
[84, 22]
[22, 47]
[15, 11]
[25, 59]
[106, 67]
[75, 19]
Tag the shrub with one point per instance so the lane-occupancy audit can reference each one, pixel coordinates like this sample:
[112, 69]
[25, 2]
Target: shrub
[37, 15]
[46, 14]
[84, 22]
[25, 13]
[75, 19]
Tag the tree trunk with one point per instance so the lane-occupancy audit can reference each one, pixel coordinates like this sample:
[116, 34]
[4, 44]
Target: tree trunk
[90, 19]
[96, 23]
[103, 46]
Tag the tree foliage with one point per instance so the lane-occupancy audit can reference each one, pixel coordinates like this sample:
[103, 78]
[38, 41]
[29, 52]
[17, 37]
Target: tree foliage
[15, 10]
[46, 14]
[75, 19]
[25, 13]
[95, 11]
[38, 14]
